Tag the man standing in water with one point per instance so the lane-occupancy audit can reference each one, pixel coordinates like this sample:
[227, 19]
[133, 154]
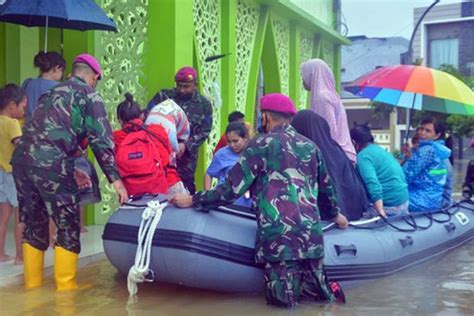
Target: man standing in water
[199, 112]
[43, 169]
[286, 176]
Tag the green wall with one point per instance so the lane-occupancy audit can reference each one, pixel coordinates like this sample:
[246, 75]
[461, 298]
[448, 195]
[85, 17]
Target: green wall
[276, 35]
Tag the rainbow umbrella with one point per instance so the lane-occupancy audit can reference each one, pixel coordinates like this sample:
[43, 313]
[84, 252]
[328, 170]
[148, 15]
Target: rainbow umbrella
[415, 87]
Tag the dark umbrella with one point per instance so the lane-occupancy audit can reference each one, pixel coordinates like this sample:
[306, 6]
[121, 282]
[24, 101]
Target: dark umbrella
[79, 15]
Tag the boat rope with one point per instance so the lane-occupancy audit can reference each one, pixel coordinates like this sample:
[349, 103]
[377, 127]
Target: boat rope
[140, 270]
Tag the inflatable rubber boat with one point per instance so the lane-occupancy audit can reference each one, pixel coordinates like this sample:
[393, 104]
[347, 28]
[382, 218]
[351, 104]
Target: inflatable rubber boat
[215, 249]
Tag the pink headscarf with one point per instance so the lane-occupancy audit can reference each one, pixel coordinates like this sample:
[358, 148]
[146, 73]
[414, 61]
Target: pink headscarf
[325, 101]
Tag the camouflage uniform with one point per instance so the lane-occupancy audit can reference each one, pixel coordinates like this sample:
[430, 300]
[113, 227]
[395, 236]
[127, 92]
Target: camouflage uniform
[199, 112]
[287, 178]
[43, 161]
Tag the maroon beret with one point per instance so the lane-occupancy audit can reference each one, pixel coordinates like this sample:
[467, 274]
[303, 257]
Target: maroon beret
[186, 74]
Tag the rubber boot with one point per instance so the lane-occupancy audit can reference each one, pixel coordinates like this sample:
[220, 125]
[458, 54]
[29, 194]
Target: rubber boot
[65, 267]
[33, 261]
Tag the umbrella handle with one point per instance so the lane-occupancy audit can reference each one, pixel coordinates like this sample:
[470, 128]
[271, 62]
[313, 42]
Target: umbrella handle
[46, 35]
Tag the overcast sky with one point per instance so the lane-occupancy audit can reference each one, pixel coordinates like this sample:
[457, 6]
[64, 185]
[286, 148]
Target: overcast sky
[382, 18]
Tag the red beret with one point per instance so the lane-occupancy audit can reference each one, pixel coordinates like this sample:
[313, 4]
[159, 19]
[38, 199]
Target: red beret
[277, 102]
[91, 61]
[186, 74]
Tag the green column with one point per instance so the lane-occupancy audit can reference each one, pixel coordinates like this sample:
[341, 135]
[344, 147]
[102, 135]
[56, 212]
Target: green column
[295, 61]
[3, 60]
[337, 66]
[269, 57]
[19, 56]
[170, 42]
[255, 63]
[75, 43]
[228, 75]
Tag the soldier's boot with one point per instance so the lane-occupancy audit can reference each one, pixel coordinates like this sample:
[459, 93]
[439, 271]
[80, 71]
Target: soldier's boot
[33, 260]
[65, 268]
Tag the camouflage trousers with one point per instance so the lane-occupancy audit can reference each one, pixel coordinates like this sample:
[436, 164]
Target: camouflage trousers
[287, 282]
[45, 193]
[186, 166]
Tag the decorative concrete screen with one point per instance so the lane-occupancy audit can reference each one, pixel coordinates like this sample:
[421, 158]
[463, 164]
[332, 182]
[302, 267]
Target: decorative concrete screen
[121, 56]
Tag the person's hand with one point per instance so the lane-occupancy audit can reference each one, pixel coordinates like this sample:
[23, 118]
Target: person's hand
[379, 208]
[121, 191]
[382, 213]
[83, 180]
[341, 221]
[406, 150]
[181, 150]
[182, 200]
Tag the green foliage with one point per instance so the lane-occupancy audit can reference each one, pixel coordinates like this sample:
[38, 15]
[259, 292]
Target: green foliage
[459, 125]
[380, 110]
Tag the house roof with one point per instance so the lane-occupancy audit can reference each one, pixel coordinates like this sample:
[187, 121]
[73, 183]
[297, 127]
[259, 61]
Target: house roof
[366, 54]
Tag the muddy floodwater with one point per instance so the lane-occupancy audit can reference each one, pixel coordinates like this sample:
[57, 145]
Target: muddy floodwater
[444, 286]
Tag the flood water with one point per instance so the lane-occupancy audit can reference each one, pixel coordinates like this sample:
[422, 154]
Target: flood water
[444, 286]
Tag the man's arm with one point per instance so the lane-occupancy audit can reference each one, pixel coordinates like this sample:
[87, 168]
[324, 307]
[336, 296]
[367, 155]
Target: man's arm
[200, 128]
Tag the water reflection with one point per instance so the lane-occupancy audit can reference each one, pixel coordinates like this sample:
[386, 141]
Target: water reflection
[442, 286]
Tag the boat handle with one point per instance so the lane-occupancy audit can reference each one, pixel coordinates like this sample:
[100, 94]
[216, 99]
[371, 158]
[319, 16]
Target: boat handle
[351, 249]
[450, 227]
[407, 241]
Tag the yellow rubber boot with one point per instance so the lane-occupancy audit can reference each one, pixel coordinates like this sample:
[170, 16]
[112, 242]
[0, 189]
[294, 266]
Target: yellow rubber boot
[33, 261]
[65, 267]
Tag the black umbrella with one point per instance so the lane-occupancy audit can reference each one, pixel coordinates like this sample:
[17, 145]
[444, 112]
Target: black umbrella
[79, 15]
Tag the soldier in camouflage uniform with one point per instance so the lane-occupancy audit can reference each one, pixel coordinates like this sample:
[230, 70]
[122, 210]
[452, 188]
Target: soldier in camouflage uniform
[199, 112]
[287, 178]
[43, 169]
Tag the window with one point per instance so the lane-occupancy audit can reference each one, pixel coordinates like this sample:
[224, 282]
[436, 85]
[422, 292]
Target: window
[444, 51]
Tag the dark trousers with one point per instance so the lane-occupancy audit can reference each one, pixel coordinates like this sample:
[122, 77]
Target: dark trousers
[186, 166]
[44, 193]
[287, 282]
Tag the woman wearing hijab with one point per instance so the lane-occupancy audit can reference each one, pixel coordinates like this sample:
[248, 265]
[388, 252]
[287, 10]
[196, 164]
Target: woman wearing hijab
[325, 101]
[350, 191]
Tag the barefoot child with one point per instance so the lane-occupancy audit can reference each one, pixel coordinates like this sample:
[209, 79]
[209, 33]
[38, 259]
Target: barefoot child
[12, 108]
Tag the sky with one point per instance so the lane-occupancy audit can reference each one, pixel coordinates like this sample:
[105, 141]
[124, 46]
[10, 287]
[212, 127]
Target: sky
[382, 18]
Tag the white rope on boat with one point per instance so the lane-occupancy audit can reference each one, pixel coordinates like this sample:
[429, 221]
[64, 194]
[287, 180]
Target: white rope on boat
[360, 222]
[150, 218]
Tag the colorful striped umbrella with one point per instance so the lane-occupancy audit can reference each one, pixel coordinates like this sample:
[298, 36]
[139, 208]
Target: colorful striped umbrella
[415, 87]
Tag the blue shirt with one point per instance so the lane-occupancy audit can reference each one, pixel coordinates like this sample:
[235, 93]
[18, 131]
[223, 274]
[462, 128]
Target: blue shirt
[426, 174]
[382, 175]
[34, 89]
[224, 159]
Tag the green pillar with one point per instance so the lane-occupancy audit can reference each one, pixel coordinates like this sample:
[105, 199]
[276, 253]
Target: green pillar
[337, 66]
[3, 61]
[269, 57]
[228, 74]
[75, 43]
[295, 61]
[255, 63]
[170, 42]
[18, 56]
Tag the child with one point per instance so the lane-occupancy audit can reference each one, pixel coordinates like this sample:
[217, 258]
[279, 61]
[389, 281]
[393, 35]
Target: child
[225, 158]
[51, 66]
[159, 178]
[13, 102]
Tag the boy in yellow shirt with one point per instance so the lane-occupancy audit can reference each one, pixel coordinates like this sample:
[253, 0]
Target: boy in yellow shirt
[12, 108]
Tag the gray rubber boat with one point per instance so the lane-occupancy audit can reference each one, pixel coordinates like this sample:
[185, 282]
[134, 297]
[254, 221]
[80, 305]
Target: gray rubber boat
[215, 250]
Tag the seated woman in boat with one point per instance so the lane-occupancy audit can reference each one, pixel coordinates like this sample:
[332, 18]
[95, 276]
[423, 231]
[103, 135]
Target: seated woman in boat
[143, 153]
[382, 175]
[426, 169]
[237, 134]
[350, 191]
[448, 187]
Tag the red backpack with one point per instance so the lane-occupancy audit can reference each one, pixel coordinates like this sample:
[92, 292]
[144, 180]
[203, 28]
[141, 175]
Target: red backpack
[139, 163]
